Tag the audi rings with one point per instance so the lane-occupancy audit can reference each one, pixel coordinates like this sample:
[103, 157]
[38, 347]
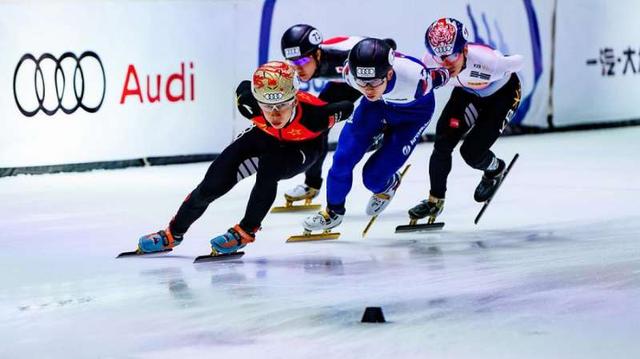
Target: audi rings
[50, 74]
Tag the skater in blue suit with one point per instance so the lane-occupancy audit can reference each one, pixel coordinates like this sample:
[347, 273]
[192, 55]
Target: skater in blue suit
[397, 99]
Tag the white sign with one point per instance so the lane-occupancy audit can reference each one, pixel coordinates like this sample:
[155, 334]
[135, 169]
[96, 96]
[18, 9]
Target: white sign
[104, 81]
[597, 62]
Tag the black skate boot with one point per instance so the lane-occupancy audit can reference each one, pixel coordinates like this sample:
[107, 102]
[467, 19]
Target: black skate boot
[430, 208]
[489, 183]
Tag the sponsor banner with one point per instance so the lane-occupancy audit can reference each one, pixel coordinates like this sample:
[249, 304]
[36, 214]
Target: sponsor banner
[514, 27]
[597, 62]
[107, 81]
[104, 81]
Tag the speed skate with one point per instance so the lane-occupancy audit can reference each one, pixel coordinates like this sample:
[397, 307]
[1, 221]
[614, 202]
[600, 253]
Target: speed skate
[290, 207]
[216, 257]
[138, 252]
[413, 226]
[307, 236]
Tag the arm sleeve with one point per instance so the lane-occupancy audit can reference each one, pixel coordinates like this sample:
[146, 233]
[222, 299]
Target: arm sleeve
[324, 117]
[513, 63]
[246, 103]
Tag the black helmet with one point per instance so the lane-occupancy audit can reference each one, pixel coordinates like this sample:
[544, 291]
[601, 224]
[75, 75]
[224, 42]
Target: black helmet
[371, 58]
[300, 40]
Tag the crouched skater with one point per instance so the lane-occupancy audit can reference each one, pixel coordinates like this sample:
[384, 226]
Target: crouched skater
[283, 141]
[486, 95]
[397, 98]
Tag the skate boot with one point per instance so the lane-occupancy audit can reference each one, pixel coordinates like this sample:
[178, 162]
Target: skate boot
[379, 201]
[159, 241]
[430, 208]
[299, 193]
[233, 240]
[322, 221]
[489, 183]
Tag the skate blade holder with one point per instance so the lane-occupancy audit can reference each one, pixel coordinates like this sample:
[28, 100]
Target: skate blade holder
[215, 256]
[290, 207]
[138, 252]
[413, 226]
[308, 236]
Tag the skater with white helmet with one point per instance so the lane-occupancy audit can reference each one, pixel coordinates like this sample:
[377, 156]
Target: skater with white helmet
[284, 140]
[486, 96]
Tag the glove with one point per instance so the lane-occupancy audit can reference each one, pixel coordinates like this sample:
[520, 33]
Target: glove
[439, 77]
[246, 103]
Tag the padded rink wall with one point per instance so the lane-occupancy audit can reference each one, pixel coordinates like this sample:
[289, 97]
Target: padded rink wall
[109, 84]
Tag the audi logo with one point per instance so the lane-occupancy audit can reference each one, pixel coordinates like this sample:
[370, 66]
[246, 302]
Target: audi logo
[49, 84]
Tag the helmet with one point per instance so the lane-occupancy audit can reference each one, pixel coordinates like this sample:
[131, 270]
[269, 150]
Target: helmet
[274, 82]
[371, 59]
[446, 36]
[300, 40]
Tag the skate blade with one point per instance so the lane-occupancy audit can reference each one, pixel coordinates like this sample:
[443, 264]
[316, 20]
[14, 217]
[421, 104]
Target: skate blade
[313, 237]
[374, 217]
[296, 208]
[137, 252]
[366, 229]
[425, 227]
[488, 201]
[217, 257]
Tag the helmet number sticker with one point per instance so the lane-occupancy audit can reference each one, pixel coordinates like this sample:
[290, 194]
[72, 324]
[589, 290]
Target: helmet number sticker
[292, 52]
[365, 72]
[314, 37]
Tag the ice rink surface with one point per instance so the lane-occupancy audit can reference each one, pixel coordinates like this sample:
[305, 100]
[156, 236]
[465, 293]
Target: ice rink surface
[551, 271]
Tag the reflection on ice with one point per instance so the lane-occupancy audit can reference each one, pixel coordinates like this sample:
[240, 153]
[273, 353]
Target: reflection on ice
[549, 273]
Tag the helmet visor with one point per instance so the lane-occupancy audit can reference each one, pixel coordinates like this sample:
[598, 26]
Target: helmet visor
[370, 83]
[301, 61]
[271, 107]
[447, 58]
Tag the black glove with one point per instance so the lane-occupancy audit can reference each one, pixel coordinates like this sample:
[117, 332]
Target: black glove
[439, 77]
[246, 103]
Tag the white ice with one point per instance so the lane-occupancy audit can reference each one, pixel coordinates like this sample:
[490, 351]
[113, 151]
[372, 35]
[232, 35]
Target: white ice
[551, 271]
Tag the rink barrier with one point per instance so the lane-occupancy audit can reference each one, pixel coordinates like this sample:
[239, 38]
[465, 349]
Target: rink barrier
[107, 165]
[172, 160]
[35, 150]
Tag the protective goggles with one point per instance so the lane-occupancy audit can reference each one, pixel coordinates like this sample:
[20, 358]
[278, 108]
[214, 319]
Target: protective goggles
[447, 58]
[271, 107]
[301, 61]
[370, 83]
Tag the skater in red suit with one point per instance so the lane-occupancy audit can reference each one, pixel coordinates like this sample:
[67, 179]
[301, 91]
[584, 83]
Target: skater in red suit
[284, 140]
